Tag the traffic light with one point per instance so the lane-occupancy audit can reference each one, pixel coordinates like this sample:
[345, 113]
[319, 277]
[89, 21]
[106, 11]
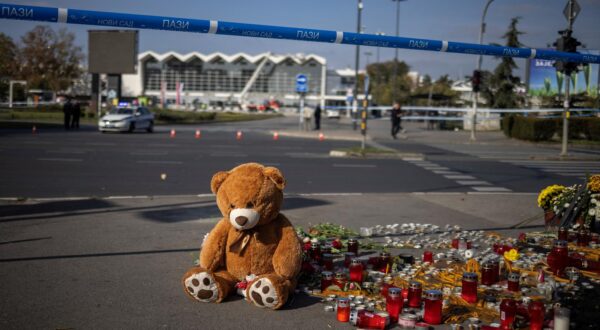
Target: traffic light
[476, 81]
[566, 43]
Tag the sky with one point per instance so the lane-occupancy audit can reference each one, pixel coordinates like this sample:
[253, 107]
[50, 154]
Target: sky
[453, 20]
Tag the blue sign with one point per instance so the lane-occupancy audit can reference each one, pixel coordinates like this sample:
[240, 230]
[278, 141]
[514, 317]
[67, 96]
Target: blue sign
[301, 83]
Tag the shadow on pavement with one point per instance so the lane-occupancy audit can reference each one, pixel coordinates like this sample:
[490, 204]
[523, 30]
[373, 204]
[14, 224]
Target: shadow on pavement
[54, 206]
[94, 255]
[300, 300]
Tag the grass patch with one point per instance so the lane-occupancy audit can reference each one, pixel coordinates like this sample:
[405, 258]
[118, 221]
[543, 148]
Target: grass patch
[358, 151]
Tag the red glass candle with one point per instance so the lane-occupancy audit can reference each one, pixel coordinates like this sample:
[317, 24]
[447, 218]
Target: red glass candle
[384, 262]
[487, 273]
[496, 265]
[348, 256]
[343, 309]
[414, 294]
[356, 271]
[386, 284]
[455, 243]
[563, 234]
[513, 282]
[428, 256]
[595, 238]
[536, 315]
[469, 287]
[508, 310]
[326, 280]
[340, 280]
[433, 307]
[353, 246]
[367, 320]
[558, 258]
[393, 303]
[315, 252]
[462, 244]
[583, 238]
[327, 261]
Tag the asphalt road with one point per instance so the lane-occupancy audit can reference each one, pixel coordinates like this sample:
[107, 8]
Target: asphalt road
[55, 163]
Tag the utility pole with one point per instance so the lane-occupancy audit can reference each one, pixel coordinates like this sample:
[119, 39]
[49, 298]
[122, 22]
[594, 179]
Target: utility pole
[356, 67]
[569, 44]
[477, 73]
[395, 75]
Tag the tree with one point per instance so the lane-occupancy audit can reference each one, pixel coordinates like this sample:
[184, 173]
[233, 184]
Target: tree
[50, 60]
[440, 92]
[8, 63]
[503, 83]
[381, 77]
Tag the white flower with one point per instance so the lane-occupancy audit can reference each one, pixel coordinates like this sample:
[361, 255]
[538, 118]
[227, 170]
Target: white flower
[594, 201]
[567, 205]
[592, 212]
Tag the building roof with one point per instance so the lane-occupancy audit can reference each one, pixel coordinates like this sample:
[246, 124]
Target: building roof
[298, 58]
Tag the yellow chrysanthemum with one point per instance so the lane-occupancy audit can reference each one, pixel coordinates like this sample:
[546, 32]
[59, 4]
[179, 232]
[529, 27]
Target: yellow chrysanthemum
[594, 183]
[511, 255]
[547, 194]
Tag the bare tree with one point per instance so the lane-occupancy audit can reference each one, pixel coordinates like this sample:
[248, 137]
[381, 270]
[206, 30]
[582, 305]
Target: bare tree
[8, 63]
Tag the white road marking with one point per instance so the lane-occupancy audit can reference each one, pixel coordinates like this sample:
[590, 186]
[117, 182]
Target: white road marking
[472, 182]
[61, 159]
[165, 162]
[446, 172]
[459, 177]
[491, 189]
[355, 165]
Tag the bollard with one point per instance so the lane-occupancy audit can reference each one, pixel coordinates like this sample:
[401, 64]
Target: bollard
[198, 134]
[173, 133]
[275, 136]
[238, 135]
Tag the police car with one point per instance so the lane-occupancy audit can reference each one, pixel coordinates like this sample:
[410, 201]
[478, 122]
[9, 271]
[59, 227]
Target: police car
[127, 119]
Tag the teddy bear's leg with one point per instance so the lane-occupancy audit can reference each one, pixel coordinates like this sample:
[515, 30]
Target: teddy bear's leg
[270, 291]
[207, 286]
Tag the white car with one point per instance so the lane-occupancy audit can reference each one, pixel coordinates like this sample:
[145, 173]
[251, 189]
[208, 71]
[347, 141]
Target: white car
[127, 120]
[331, 113]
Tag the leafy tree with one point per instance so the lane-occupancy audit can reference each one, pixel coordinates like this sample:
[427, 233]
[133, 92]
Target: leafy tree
[441, 92]
[8, 63]
[50, 60]
[503, 82]
[381, 77]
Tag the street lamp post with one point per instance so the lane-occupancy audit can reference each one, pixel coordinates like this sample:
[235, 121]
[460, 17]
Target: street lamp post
[479, 59]
[395, 76]
[378, 34]
[356, 64]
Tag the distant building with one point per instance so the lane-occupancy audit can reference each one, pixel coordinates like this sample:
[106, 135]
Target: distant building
[224, 78]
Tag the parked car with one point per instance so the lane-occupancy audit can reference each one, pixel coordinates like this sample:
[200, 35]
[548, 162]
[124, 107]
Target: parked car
[332, 113]
[127, 119]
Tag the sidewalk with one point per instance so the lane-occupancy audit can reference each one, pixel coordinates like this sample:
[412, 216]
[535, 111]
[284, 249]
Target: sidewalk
[488, 142]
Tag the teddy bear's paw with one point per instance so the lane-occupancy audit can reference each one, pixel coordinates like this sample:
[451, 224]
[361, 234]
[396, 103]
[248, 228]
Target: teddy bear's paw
[202, 286]
[263, 293]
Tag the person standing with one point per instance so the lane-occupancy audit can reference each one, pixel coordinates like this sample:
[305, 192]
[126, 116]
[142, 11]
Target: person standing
[318, 118]
[76, 113]
[396, 119]
[67, 111]
[307, 115]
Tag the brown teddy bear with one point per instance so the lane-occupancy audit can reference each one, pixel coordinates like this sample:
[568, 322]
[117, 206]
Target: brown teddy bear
[253, 242]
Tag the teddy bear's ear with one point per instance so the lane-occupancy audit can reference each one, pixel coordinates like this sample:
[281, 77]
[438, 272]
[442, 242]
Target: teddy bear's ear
[217, 180]
[275, 175]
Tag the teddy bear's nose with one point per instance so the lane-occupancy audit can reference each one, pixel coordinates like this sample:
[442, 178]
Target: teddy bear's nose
[241, 220]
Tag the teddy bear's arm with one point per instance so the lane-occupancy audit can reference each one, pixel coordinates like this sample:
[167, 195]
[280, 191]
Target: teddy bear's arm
[212, 254]
[287, 259]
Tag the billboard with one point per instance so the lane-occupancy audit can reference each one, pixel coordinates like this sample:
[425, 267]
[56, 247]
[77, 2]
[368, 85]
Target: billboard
[112, 51]
[545, 81]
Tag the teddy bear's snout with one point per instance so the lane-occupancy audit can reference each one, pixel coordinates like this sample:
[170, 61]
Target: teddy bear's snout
[243, 219]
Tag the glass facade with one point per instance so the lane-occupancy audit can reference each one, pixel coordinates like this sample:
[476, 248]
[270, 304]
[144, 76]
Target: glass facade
[221, 75]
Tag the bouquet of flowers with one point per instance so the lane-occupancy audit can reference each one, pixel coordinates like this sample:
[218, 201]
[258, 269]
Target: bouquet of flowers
[548, 194]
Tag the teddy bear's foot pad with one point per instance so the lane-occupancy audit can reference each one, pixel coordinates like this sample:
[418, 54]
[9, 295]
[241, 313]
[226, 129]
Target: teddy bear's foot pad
[263, 293]
[203, 287]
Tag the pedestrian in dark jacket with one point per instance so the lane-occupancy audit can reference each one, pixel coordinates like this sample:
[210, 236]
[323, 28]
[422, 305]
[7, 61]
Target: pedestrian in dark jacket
[318, 117]
[67, 111]
[396, 119]
[76, 113]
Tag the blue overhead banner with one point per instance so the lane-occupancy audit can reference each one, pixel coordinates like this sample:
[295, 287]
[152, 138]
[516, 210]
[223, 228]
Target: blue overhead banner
[125, 20]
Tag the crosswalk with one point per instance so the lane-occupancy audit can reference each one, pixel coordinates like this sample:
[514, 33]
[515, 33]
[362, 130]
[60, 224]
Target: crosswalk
[577, 169]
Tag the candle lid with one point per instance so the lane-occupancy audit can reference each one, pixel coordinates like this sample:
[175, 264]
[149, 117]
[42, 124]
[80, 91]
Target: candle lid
[559, 243]
[433, 294]
[384, 254]
[352, 240]
[355, 261]
[469, 276]
[395, 292]
[514, 277]
[414, 285]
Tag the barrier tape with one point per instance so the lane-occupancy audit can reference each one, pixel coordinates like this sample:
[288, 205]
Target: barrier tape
[136, 21]
[480, 110]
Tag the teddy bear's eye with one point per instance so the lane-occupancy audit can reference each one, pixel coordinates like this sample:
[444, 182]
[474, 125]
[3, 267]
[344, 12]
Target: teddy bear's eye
[249, 205]
[232, 206]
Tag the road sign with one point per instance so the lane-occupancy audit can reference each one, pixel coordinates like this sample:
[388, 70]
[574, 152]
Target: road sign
[571, 14]
[301, 83]
[112, 94]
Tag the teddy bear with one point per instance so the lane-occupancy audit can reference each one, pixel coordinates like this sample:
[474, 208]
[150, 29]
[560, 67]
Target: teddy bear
[252, 246]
